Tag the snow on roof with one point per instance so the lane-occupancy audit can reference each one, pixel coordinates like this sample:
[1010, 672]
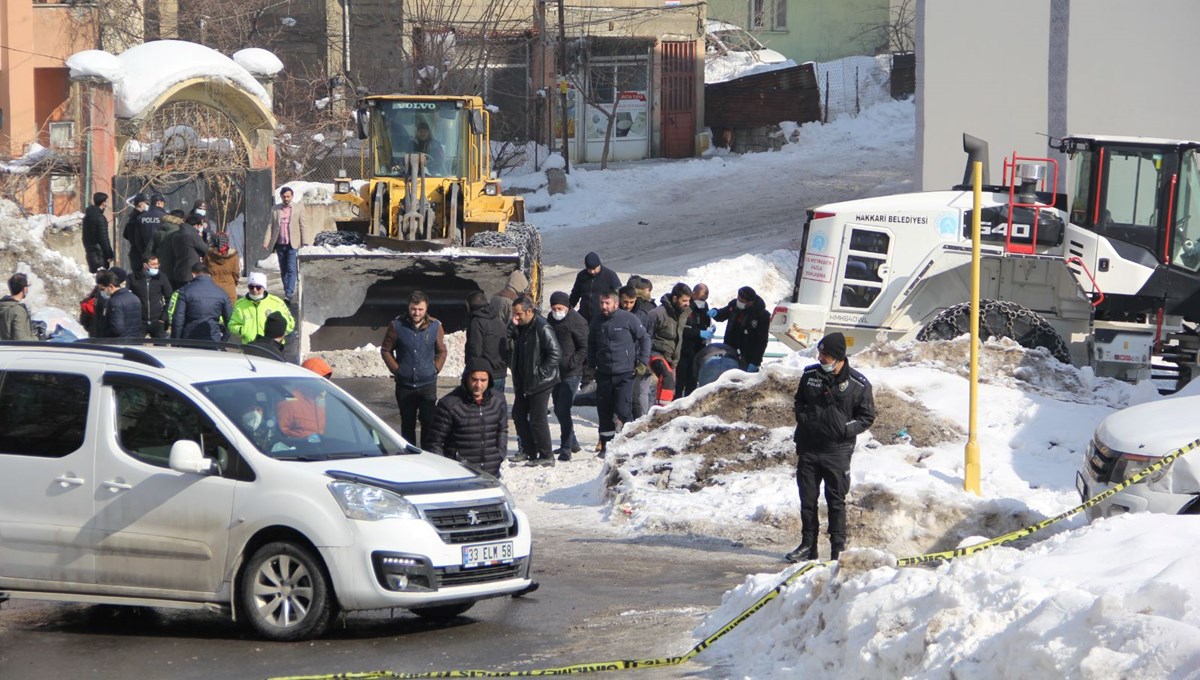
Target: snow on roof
[143, 72]
[258, 61]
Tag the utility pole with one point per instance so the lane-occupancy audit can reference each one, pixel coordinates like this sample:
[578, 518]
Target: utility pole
[562, 85]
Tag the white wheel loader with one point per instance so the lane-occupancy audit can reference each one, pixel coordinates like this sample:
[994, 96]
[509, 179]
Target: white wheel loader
[1106, 276]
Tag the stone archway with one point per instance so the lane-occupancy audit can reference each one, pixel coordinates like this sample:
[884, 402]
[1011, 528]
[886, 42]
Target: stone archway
[183, 120]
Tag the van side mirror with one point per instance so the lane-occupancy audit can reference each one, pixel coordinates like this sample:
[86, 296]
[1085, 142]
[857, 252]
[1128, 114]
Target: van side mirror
[186, 456]
[361, 117]
[477, 125]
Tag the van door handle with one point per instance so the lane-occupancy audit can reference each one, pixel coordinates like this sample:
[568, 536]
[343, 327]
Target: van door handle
[67, 480]
[115, 486]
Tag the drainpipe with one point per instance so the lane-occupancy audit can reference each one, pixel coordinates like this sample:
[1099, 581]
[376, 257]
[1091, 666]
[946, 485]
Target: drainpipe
[346, 37]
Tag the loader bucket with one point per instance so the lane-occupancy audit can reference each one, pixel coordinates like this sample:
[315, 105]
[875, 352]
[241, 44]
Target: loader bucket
[348, 299]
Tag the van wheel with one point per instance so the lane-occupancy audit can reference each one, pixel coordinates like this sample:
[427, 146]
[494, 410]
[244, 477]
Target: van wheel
[442, 613]
[998, 319]
[285, 594]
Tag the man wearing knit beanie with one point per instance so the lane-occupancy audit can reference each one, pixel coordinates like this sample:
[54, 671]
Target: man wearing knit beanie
[572, 333]
[834, 404]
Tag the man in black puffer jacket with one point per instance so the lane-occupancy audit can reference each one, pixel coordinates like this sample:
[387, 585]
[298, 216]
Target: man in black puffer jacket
[487, 339]
[834, 404]
[471, 423]
[535, 373]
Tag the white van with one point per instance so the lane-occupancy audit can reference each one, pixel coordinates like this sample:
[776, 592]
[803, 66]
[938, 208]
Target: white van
[180, 477]
[1132, 439]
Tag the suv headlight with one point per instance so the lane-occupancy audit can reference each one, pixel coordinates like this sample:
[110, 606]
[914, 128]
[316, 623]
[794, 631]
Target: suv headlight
[1130, 464]
[371, 503]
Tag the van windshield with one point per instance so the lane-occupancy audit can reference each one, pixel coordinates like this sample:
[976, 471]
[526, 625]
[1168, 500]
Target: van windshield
[301, 418]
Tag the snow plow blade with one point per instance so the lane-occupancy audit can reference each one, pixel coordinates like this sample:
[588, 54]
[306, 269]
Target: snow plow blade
[349, 294]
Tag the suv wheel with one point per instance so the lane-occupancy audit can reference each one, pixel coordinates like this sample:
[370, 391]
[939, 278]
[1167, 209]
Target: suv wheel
[443, 612]
[285, 594]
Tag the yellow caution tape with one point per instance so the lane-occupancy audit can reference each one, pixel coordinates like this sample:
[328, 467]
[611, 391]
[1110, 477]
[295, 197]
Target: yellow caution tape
[630, 664]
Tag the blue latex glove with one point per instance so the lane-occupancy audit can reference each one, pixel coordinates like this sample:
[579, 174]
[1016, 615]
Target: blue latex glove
[708, 333]
[712, 313]
[752, 368]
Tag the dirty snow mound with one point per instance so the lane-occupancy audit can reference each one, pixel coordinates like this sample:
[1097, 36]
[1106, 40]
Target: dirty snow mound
[55, 279]
[1004, 362]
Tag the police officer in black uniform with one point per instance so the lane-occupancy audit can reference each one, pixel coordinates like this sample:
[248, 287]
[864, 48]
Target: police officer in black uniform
[834, 404]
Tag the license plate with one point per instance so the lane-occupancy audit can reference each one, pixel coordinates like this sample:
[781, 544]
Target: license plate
[1081, 486]
[485, 554]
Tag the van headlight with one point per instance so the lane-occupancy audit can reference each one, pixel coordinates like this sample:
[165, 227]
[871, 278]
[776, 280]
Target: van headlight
[1130, 464]
[371, 503]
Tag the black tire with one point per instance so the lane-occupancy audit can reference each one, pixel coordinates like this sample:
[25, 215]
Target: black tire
[998, 319]
[443, 612]
[284, 594]
[339, 238]
[529, 242]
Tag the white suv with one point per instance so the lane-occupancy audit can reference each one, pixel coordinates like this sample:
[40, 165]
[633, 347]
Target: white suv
[175, 477]
[1132, 439]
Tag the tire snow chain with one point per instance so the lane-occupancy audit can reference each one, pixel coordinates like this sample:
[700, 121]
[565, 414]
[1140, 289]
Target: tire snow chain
[631, 664]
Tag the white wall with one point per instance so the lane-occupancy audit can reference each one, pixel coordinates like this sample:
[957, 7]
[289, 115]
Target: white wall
[1011, 71]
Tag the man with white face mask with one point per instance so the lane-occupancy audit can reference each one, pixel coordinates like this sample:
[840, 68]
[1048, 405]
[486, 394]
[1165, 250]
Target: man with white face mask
[572, 332]
[250, 312]
[748, 326]
[834, 404]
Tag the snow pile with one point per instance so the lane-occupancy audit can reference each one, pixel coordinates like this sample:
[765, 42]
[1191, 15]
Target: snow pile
[55, 280]
[855, 84]
[258, 61]
[1114, 600]
[739, 65]
[728, 448]
[143, 73]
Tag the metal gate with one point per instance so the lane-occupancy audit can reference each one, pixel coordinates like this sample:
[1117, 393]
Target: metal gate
[678, 99]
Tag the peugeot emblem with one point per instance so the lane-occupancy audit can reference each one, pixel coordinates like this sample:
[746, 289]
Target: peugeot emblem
[472, 517]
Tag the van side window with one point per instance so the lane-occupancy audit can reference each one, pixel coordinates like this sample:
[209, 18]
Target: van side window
[151, 419]
[43, 414]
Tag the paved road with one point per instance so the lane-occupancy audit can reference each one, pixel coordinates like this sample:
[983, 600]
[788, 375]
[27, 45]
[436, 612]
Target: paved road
[602, 598]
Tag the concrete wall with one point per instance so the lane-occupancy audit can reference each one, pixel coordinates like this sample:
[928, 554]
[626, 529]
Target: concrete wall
[1011, 71]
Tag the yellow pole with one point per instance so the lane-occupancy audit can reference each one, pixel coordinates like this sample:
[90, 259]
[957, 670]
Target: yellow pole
[971, 468]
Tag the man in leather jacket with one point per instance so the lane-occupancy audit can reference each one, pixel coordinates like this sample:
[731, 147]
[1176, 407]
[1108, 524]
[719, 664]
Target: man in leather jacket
[834, 404]
[534, 369]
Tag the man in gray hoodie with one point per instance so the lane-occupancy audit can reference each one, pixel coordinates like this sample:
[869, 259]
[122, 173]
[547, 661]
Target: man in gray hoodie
[15, 323]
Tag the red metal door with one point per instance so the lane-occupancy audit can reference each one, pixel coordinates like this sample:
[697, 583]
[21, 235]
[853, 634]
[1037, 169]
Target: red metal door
[678, 99]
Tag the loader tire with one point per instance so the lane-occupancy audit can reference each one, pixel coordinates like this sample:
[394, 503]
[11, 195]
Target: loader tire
[339, 238]
[998, 319]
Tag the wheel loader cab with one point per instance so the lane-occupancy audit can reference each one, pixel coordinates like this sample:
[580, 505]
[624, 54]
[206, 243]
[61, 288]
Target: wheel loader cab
[1143, 197]
[440, 130]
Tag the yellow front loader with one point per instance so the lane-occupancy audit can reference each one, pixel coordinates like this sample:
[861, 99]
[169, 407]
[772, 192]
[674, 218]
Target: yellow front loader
[430, 217]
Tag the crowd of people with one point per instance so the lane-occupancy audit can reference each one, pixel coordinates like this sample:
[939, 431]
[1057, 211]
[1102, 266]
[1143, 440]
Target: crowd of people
[182, 280]
[603, 337]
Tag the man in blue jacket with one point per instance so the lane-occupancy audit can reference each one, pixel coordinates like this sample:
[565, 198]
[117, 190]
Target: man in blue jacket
[618, 346]
[414, 351]
[202, 309]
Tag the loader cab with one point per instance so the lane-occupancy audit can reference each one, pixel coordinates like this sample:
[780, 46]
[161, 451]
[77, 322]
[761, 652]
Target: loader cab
[1141, 195]
[1139, 192]
[441, 129]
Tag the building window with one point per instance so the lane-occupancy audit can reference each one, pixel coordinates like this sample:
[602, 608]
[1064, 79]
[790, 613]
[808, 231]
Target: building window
[62, 134]
[768, 15]
[62, 184]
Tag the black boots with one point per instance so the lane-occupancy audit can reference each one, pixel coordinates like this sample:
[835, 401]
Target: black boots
[803, 552]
